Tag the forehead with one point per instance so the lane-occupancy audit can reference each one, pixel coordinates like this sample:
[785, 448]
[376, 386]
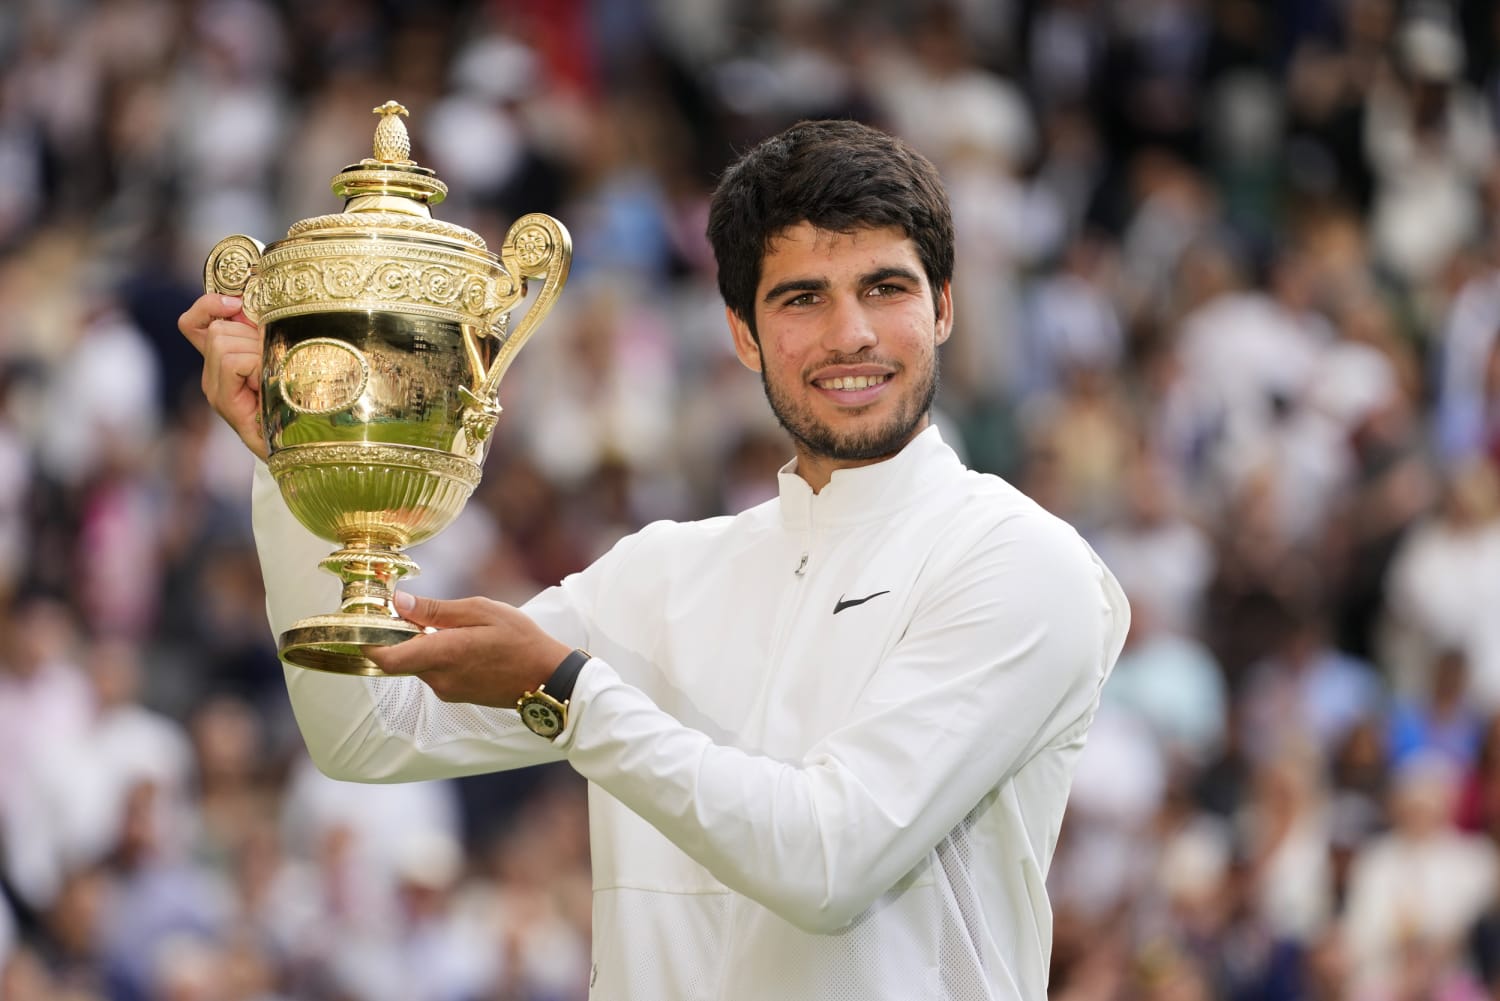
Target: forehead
[807, 248]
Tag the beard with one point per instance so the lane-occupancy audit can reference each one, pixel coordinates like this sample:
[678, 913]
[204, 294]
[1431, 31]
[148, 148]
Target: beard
[819, 438]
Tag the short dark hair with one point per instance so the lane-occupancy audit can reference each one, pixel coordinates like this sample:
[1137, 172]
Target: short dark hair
[838, 175]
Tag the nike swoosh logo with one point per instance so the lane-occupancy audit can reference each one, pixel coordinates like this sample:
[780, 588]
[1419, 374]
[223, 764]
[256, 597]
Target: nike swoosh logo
[842, 604]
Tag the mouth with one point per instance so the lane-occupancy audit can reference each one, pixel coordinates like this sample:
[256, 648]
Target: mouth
[848, 383]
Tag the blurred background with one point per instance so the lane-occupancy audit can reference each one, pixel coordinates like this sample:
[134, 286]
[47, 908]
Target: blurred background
[1228, 297]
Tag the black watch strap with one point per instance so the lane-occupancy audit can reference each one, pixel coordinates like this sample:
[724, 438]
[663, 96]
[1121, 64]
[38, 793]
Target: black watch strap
[560, 685]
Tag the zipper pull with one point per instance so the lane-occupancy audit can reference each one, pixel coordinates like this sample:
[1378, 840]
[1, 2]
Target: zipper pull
[801, 566]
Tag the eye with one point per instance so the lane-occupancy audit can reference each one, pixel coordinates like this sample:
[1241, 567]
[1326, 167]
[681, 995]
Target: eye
[885, 289]
[802, 299]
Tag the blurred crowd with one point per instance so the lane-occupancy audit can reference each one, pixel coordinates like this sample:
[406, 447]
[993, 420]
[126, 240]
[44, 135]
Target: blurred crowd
[1228, 298]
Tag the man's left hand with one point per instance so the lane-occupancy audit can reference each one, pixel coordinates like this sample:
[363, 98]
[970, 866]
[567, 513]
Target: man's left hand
[483, 652]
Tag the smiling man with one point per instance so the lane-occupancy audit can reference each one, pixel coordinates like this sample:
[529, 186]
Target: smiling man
[829, 739]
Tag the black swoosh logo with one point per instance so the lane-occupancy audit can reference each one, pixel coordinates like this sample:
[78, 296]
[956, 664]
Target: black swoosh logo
[842, 604]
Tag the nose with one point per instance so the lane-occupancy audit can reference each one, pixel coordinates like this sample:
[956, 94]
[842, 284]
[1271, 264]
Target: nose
[849, 327]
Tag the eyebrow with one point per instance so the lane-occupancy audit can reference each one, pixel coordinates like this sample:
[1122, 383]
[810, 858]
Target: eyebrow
[880, 275]
[794, 285]
[821, 284]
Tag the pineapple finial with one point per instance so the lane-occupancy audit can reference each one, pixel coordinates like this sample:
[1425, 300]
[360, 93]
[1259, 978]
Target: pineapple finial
[392, 145]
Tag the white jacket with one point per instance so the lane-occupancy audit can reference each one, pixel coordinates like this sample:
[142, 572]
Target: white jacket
[829, 740]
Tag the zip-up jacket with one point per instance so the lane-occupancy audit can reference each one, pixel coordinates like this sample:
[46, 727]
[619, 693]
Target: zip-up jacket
[828, 740]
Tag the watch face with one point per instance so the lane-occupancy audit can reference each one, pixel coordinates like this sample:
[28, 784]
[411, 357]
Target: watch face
[541, 719]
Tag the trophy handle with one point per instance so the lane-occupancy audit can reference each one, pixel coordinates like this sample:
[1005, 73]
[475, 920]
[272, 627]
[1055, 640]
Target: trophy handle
[231, 269]
[536, 246]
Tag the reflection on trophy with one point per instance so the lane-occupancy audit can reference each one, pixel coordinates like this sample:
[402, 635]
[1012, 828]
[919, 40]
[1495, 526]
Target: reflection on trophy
[386, 335]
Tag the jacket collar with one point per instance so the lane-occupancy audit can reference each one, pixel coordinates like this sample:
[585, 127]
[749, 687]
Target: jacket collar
[866, 493]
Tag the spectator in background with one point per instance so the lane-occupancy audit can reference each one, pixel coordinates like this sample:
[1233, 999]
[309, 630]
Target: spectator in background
[103, 407]
[1444, 722]
[1467, 378]
[1439, 587]
[1429, 142]
[1285, 833]
[1173, 684]
[1478, 802]
[1162, 553]
[45, 704]
[431, 951]
[362, 834]
[80, 787]
[1249, 354]
[1415, 892]
[1306, 692]
[17, 486]
[158, 897]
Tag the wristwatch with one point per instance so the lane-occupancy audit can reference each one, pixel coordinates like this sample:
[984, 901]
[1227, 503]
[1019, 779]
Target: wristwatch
[545, 711]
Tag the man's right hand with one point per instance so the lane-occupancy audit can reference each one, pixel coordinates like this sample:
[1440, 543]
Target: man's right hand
[231, 347]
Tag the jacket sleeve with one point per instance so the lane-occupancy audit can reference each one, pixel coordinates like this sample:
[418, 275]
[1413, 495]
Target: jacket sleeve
[1004, 657]
[381, 729]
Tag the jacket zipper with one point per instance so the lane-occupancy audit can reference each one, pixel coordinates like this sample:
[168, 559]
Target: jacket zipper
[785, 614]
[807, 546]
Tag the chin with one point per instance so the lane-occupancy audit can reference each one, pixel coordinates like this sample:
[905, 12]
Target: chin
[877, 442]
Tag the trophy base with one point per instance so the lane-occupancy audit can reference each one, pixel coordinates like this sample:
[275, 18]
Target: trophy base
[334, 642]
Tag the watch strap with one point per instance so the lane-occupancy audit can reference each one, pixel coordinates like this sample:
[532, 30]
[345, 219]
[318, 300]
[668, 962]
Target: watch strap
[560, 684]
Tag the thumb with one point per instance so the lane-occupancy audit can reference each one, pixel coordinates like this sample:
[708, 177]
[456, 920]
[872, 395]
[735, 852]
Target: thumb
[424, 611]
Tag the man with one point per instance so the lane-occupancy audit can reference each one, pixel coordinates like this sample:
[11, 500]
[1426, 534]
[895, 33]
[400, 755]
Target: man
[829, 739]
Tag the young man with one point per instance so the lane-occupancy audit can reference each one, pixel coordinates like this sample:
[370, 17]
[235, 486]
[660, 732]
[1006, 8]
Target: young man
[829, 739]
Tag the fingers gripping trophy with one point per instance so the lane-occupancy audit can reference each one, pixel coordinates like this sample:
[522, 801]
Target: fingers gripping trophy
[386, 334]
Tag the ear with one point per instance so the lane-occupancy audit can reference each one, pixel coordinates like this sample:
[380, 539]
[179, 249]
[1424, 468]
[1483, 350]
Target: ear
[944, 325]
[745, 346]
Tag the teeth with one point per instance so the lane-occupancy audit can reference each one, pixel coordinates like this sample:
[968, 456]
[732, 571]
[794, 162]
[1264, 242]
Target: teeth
[853, 382]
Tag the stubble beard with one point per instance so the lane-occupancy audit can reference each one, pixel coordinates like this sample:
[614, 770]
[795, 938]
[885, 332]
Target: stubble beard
[818, 438]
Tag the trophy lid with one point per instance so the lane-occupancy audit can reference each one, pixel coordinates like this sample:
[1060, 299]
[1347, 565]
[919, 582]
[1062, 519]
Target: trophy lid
[389, 190]
[391, 171]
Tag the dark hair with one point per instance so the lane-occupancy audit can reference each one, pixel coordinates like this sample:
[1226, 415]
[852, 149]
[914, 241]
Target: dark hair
[840, 176]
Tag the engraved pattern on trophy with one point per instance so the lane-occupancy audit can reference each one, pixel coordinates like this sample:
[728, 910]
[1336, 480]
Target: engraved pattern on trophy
[386, 335]
[533, 247]
[405, 498]
[232, 269]
[323, 375]
[306, 279]
[231, 264]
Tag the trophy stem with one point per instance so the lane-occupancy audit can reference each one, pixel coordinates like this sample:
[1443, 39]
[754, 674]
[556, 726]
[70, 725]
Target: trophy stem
[366, 617]
[370, 574]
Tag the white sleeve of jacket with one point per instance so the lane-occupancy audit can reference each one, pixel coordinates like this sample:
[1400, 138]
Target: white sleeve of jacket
[1003, 657]
[379, 729]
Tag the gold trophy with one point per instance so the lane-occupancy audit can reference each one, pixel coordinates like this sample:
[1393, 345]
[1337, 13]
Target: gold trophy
[386, 334]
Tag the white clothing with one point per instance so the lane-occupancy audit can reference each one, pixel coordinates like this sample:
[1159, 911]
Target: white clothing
[40, 713]
[1165, 564]
[1240, 352]
[1405, 889]
[104, 396]
[829, 740]
[1440, 587]
[81, 784]
[1427, 197]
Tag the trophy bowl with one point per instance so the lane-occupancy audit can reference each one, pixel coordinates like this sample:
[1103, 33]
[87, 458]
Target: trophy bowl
[386, 334]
